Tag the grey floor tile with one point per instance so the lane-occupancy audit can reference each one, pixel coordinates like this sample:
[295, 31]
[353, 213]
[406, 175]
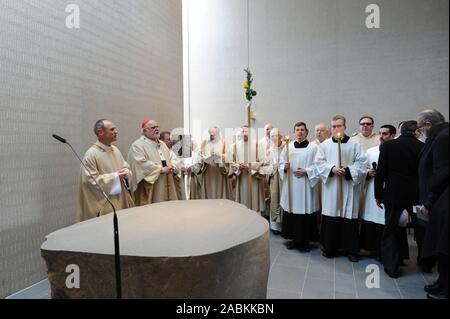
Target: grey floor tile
[317, 289]
[293, 259]
[34, 292]
[316, 251]
[344, 284]
[342, 295]
[319, 271]
[322, 261]
[430, 278]
[44, 295]
[343, 266]
[378, 293]
[412, 292]
[411, 278]
[286, 278]
[282, 294]
[273, 255]
[414, 295]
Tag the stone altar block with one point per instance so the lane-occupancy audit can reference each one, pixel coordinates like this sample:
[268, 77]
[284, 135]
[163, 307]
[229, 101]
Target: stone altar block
[178, 249]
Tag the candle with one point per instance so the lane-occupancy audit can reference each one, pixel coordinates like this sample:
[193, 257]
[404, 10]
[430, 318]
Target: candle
[339, 138]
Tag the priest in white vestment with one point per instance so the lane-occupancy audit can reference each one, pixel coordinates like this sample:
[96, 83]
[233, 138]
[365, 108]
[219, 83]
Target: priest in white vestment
[240, 171]
[372, 215]
[322, 133]
[153, 167]
[266, 144]
[275, 187]
[105, 163]
[212, 166]
[340, 191]
[300, 217]
[366, 137]
[166, 138]
[194, 180]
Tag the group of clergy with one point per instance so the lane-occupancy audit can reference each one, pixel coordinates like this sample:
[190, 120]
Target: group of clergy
[302, 187]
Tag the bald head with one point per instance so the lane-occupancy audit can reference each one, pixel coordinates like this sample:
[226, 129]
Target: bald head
[267, 128]
[322, 132]
[213, 133]
[275, 136]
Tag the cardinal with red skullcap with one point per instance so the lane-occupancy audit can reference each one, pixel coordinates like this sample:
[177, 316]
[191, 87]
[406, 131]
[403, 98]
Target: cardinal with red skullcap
[153, 166]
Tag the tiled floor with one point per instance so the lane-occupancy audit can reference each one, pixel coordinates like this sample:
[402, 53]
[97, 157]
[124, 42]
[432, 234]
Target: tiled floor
[295, 275]
[40, 290]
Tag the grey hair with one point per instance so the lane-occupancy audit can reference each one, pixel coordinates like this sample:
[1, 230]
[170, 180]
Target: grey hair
[215, 128]
[431, 116]
[99, 125]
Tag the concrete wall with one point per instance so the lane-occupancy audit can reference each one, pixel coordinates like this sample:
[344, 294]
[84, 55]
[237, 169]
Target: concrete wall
[314, 59]
[124, 63]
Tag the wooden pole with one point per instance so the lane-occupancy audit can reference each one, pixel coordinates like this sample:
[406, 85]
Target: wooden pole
[249, 145]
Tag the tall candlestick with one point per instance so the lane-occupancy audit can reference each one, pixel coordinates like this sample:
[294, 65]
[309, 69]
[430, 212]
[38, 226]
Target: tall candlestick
[288, 175]
[341, 186]
[249, 158]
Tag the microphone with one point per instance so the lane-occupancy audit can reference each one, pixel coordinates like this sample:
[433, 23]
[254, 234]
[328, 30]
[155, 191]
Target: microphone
[374, 166]
[59, 138]
[115, 221]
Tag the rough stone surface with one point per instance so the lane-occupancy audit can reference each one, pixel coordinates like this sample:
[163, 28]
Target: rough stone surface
[179, 249]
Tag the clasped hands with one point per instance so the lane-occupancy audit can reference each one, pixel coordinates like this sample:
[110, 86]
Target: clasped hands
[122, 173]
[300, 172]
[168, 169]
[339, 171]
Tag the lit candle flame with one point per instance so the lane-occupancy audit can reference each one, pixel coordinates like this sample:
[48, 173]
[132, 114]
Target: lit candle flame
[338, 134]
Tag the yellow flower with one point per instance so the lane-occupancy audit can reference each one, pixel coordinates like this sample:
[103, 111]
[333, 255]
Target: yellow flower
[246, 85]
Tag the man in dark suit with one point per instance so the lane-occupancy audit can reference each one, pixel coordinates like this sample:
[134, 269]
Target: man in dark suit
[433, 180]
[397, 187]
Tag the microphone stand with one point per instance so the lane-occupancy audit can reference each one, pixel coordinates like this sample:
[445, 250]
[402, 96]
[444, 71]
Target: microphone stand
[115, 221]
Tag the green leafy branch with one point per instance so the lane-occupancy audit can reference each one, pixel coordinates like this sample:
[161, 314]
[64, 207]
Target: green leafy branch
[249, 92]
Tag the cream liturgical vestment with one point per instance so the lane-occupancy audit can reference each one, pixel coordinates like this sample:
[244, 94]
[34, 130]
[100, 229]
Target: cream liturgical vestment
[179, 177]
[212, 169]
[367, 142]
[194, 188]
[103, 162]
[275, 187]
[147, 158]
[241, 188]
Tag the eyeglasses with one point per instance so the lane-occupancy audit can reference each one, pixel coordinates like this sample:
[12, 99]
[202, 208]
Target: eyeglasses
[365, 124]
